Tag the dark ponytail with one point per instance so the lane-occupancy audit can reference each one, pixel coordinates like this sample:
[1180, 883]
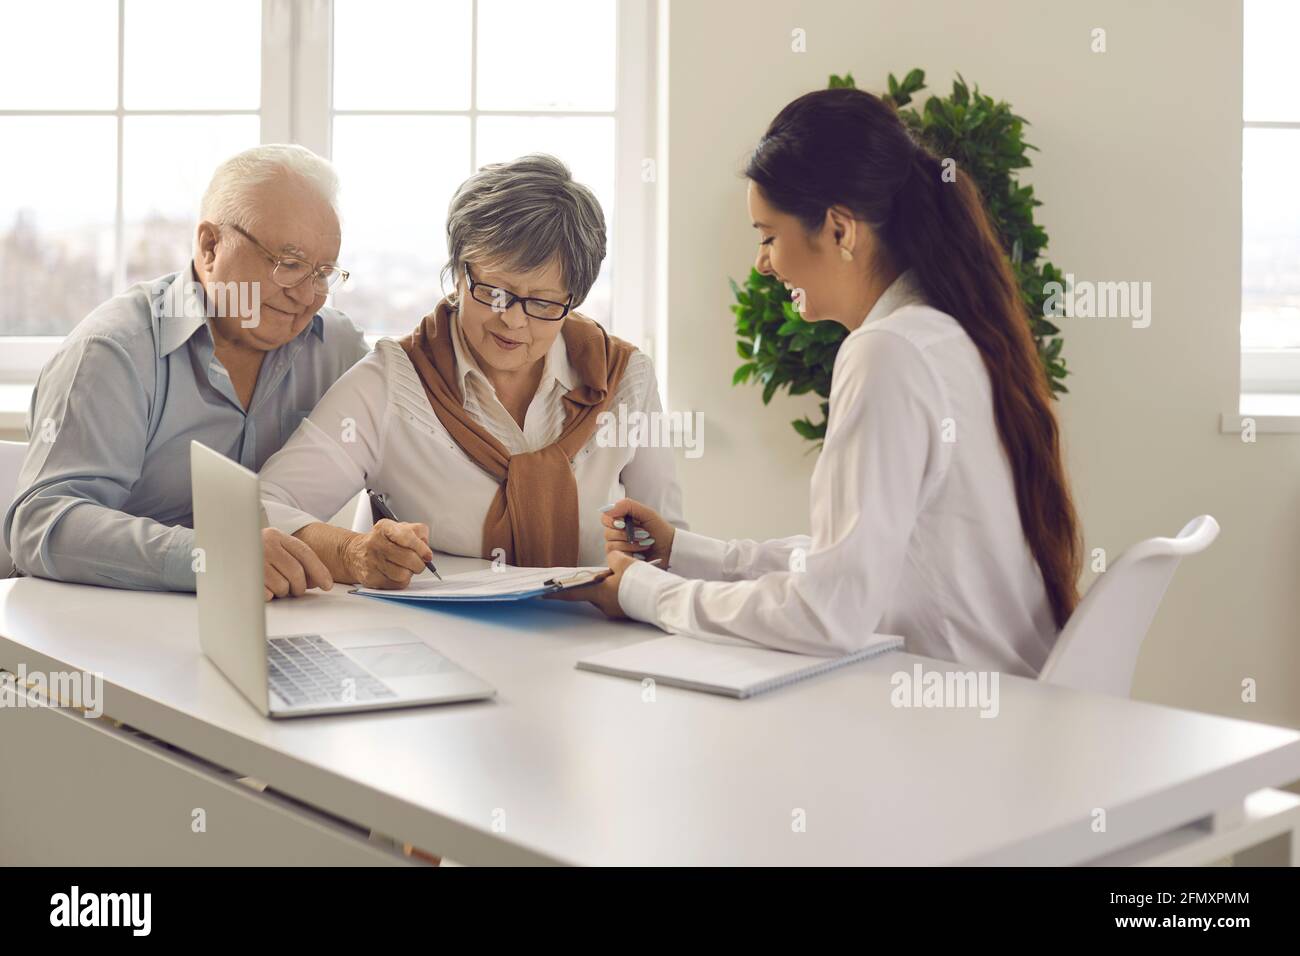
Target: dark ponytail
[846, 147]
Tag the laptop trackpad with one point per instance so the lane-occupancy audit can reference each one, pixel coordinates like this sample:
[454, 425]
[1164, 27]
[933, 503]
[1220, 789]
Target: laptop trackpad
[400, 660]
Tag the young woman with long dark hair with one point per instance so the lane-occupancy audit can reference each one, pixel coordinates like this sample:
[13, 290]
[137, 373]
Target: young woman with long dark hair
[940, 506]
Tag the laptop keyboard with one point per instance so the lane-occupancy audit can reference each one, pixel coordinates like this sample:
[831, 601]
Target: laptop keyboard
[307, 670]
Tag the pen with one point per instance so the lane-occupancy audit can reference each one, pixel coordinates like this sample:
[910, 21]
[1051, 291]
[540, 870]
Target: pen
[377, 507]
[629, 526]
[629, 529]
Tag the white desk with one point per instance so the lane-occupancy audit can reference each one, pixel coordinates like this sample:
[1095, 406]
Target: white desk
[574, 767]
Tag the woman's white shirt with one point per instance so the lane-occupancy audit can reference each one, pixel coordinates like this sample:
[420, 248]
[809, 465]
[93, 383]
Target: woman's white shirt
[915, 526]
[376, 429]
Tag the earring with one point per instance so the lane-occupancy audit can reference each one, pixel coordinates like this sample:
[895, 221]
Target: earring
[845, 254]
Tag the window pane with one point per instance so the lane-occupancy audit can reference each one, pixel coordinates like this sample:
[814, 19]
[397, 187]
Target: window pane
[1272, 73]
[56, 231]
[557, 55]
[585, 144]
[46, 66]
[192, 55]
[397, 175]
[1270, 227]
[401, 55]
[167, 163]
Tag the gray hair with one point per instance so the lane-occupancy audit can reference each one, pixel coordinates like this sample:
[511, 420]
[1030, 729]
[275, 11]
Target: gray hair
[229, 196]
[521, 215]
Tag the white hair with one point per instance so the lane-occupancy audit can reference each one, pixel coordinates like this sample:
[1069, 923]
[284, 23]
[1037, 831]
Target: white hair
[229, 196]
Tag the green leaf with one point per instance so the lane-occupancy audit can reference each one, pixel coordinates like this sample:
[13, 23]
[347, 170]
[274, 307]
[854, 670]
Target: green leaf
[808, 430]
[770, 389]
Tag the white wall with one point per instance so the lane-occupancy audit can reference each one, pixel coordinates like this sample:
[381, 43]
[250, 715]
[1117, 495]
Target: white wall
[1139, 172]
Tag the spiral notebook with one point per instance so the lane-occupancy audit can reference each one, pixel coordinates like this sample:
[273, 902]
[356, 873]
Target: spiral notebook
[738, 669]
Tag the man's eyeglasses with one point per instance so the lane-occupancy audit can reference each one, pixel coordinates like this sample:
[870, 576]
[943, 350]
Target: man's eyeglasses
[502, 299]
[290, 271]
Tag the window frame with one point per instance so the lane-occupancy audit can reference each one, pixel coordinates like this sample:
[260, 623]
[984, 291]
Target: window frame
[1275, 371]
[1268, 371]
[297, 107]
[23, 356]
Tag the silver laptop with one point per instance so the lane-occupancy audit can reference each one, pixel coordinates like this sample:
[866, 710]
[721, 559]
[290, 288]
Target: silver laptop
[296, 675]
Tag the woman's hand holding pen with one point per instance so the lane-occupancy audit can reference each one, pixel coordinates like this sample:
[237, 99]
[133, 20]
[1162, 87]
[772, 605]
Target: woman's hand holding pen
[388, 555]
[652, 539]
[651, 536]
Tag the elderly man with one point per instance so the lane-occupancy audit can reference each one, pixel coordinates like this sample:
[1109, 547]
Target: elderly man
[234, 351]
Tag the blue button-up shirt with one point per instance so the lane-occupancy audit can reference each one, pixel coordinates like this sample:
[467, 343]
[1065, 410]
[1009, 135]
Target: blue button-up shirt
[104, 493]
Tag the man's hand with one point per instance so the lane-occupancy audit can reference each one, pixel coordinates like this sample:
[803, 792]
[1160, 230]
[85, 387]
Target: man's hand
[290, 567]
[388, 555]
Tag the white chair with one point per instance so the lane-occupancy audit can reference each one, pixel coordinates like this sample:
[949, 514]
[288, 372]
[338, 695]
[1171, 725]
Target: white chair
[1098, 648]
[12, 454]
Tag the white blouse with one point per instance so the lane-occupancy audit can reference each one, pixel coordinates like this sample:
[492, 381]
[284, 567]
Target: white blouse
[915, 527]
[375, 429]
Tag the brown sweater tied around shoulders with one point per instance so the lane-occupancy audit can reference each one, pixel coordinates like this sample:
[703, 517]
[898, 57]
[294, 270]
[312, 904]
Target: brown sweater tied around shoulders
[533, 518]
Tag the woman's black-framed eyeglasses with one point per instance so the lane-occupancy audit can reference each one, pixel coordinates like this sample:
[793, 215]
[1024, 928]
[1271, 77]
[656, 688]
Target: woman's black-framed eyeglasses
[502, 299]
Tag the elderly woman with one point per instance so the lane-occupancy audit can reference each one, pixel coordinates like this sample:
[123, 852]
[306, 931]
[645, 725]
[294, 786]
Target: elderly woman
[480, 427]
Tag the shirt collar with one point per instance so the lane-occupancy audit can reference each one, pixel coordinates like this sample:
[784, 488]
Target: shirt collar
[315, 327]
[181, 311]
[904, 290]
[556, 365]
[465, 364]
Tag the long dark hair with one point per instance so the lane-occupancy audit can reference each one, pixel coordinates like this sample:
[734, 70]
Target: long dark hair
[845, 147]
